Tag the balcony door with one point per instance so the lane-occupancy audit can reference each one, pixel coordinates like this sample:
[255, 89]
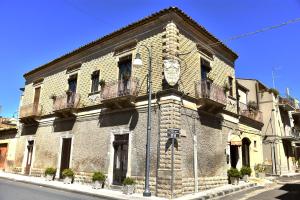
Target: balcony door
[124, 76]
[36, 100]
[120, 158]
[72, 89]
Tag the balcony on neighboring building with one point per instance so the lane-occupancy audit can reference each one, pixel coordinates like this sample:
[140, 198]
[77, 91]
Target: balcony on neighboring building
[250, 112]
[66, 105]
[286, 103]
[120, 94]
[30, 113]
[210, 97]
[292, 135]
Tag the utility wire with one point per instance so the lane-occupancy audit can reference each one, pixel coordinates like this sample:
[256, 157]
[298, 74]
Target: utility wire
[292, 21]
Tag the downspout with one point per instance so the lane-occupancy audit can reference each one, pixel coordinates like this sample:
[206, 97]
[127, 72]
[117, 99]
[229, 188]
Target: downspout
[195, 156]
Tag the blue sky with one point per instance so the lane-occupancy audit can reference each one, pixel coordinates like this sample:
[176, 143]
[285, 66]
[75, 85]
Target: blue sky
[34, 32]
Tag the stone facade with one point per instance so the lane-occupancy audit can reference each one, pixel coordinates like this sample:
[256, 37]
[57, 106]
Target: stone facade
[94, 127]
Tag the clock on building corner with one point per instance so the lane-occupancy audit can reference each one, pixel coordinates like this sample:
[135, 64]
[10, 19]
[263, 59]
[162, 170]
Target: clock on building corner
[172, 71]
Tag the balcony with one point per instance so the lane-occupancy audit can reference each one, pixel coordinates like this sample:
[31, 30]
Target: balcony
[286, 103]
[66, 105]
[292, 135]
[120, 94]
[253, 114]
[30, 113]
[210, 97]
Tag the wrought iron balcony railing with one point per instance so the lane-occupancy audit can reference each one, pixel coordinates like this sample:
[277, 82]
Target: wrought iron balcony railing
[250, 113]
[66, 102]
[207, 90]
[287, 102]
[120, 88]
[30, 110]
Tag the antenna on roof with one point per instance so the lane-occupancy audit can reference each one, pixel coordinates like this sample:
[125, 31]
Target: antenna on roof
[287, 92]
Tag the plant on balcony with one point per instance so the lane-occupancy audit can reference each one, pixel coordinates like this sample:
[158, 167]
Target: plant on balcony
[226, 86]
[274, 91]
[252, 105]
[126, 76]
[234, 176]
[102, 83]
[98, 179]
[246, 172]
[128, 185]
[68, 92]
[50, 173]
[68, 175]
[53, 96]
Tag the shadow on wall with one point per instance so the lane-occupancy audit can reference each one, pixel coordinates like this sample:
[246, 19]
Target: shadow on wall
[293, 192]
[212, 121]
[129, 117]
[29, 129]
[60, 125]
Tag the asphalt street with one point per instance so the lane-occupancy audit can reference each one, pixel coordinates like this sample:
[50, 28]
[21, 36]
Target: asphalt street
[12, 190]
[287, 188]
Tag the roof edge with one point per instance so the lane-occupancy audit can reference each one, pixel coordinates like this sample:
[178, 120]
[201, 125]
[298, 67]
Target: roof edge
[128, 28]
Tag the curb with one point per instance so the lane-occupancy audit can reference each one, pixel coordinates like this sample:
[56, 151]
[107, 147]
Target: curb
[225, 192]
[65, 189]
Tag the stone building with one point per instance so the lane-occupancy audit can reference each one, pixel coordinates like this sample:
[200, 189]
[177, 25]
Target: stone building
[247, 148]
[87, 109]
[279, 133]
[8, 132]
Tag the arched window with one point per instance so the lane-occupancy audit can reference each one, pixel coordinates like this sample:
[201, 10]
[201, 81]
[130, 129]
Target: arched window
[246, 152]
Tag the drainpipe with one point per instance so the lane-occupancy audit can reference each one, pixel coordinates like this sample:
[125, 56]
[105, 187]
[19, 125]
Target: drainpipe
[195, 156]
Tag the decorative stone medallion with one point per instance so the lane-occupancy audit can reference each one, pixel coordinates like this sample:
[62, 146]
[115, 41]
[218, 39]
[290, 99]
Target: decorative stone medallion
[172, 71]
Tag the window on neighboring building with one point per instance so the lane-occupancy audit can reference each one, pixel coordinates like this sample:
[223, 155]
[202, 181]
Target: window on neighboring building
[205, 68]
[230, 82]
[95, 81]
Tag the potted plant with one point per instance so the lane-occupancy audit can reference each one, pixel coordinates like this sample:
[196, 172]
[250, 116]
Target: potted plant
[260, 170]
[234, 176]
[50, 173]
[226, 86]
[98, 179]
[245, 173]
[274, 91]
[102, 83]
[252, 105]
[68, 92]
[68, 175]
[128, 185]
[126, 76]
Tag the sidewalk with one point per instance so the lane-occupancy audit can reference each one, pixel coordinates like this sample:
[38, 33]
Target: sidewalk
[113, 194]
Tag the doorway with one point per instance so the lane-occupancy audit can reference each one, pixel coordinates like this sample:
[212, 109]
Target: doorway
[3, 152]
[65, 155]
[29, 156]
[120, 158]
[234, 155]
[245, 152]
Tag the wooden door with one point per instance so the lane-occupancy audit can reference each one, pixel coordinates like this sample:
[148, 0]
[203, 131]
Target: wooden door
[120, 159]
[36, 99]
[29, 156]
[3, 152]
[65, 154]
